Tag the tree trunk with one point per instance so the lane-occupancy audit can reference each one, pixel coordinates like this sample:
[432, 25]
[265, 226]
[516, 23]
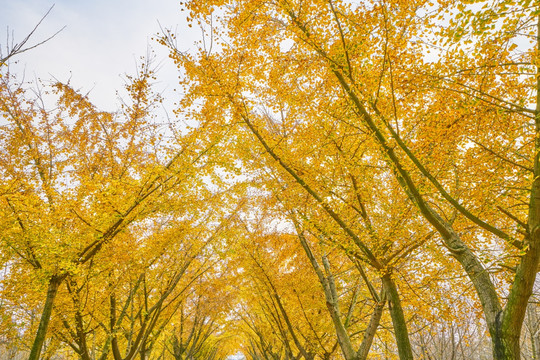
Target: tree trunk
[142, 352]
[398, 319]
[369, 334]
[536, 346]
[83, 346]
[506, 345]
[52, 290]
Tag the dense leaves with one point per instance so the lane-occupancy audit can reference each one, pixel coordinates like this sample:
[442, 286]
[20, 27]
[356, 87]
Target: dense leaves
[357, 180]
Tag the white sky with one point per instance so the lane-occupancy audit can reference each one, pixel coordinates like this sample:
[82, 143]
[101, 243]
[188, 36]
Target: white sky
[103, 40]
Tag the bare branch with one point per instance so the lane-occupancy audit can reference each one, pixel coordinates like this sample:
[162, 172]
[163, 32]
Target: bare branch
[20, 47]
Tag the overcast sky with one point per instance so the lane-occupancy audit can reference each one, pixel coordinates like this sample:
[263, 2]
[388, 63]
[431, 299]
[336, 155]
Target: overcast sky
[102, 40]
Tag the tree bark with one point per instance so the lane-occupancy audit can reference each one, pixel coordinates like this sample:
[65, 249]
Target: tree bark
[81, 335]
[370, 331]
[398, 319]
[52, 290]
[513, 316]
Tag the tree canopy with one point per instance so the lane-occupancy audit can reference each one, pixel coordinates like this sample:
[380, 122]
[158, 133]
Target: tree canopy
[340, 180]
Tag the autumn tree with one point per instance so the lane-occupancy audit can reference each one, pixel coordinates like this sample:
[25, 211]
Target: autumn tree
[353, 304]
[386, 154]
[311, 72]
[326, 172]
[74, 178]
[145, 286]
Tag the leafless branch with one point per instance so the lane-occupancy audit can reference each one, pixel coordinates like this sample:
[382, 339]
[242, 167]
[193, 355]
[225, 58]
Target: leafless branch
[21, 47]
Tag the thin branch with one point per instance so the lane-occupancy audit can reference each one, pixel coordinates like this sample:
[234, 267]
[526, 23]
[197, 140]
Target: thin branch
[19, 48]
[501, 157]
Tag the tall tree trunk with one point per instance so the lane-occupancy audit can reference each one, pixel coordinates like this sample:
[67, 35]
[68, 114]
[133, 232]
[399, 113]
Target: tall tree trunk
[52, 290]
[142, 352]
[81, 335]
[398, 319]
[513, 316]
[536, 345]
[370, 331]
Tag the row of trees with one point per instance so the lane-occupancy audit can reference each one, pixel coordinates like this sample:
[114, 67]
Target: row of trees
[357, 180]
[404, 133]
[107, 239]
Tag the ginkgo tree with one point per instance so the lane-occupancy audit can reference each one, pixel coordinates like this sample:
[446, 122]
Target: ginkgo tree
[330, 170]
[456, 128]
[357, 179]
[146, 286]
[315, 224]
[74, 178]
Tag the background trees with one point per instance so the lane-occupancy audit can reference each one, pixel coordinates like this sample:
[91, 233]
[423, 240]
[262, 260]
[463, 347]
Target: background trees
[310, 68]
[76, 182]
[355, 180]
